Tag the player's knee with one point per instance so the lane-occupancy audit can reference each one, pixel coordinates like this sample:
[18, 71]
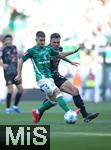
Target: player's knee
[20, 90]
[10, 90]
[75, 92]
[56, 92]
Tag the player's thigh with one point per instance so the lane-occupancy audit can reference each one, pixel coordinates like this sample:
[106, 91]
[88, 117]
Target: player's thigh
[69, 88]
[58, 79]
[52, 98]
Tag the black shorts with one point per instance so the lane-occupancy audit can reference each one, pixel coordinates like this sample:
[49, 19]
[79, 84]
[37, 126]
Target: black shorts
[10, 79]
[58, 79]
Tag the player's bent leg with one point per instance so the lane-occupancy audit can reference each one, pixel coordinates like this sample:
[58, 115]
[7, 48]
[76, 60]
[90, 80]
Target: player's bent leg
[45, 85]
[80, 104]
[48, 86]
[69, 88]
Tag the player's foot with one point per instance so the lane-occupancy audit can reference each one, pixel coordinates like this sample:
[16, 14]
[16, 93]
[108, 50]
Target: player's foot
[16, 109]
[90, 117]
[8, 110]
[35, 116]
[40, 116]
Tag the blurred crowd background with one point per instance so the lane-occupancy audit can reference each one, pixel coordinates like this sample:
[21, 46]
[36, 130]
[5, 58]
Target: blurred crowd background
[80, 22]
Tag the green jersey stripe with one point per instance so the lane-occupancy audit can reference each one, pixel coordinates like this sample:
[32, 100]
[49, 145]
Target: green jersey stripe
[36, 68]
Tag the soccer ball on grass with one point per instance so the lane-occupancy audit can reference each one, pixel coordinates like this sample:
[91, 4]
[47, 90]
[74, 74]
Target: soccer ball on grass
[71, 116]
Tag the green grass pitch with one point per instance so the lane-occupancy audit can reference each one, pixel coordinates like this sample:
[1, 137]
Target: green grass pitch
[95, 135]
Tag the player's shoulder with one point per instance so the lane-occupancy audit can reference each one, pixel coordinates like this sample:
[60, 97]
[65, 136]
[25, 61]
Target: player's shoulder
[31, 48]
[60, 48]
[47, 46]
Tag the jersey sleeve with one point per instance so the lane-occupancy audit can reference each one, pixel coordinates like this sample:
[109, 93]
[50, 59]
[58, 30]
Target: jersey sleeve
[27, 55]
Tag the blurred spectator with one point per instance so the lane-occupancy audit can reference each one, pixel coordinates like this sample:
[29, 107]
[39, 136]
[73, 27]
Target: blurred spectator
[77, 81]
[90, 86]
[1, 37]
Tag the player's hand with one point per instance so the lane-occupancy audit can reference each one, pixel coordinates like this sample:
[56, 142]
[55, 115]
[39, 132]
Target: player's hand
[18, 78]
[75, 63]
[5, 66]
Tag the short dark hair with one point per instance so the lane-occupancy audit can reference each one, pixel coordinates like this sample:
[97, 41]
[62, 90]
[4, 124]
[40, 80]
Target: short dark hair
[7, 36]
[55, 35]
[40, 34]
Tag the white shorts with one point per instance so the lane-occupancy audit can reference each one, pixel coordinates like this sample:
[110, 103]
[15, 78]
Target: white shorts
[47, 85]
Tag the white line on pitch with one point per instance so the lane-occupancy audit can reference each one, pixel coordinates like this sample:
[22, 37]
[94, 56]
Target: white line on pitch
[82, 133]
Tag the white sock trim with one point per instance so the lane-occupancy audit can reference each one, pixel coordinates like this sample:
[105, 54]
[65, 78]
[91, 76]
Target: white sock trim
[59, 95]
[37, 111]
[53, 102]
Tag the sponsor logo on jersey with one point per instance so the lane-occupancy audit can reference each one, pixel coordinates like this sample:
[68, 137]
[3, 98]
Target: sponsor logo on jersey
[44, 62]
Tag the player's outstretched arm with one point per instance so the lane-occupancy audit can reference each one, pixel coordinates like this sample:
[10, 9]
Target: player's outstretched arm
[19, 70]
[64, 54]
[71, 62]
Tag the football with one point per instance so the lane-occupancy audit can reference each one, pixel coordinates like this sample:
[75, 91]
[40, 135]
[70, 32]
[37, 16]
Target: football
[71, 117]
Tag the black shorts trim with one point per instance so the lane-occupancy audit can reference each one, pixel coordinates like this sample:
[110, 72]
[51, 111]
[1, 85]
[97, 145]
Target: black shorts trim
[58, 79]
[10, 79]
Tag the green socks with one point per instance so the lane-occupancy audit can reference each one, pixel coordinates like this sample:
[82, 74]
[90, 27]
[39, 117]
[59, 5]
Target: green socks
[62, 103]
[47, 105]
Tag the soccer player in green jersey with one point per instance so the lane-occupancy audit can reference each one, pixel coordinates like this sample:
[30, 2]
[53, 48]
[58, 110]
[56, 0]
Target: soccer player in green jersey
[40, 57]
